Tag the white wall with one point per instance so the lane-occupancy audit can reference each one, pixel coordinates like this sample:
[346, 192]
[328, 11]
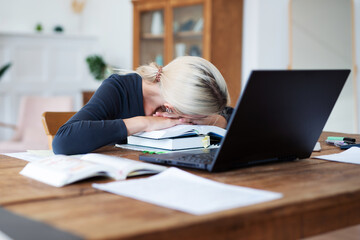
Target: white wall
[266, 38]
[357, 50]
[109, 20]
[265, 43]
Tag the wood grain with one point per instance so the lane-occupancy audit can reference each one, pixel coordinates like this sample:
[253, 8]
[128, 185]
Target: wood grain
[319, 196]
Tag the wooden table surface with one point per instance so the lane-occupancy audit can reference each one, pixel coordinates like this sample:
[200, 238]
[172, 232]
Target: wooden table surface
[319, 196]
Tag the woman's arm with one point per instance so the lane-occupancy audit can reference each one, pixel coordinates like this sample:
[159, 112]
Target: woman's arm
[113, 113]
[87, 135]
[84, 136]
[100, 122]
[149, 123]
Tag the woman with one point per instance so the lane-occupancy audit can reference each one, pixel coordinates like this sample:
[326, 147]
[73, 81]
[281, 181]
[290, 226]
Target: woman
[189, 90]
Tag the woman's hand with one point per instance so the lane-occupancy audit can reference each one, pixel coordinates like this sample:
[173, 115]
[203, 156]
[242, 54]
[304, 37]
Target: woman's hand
[151, 123]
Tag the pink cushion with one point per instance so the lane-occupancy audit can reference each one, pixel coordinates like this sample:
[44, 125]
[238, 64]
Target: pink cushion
[30, 133]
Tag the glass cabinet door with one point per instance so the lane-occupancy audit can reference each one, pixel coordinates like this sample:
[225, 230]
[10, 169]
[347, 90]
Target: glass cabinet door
[188, 30]
[152, 37]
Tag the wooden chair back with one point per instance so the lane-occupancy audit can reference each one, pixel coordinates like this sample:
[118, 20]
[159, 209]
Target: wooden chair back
[52, 121]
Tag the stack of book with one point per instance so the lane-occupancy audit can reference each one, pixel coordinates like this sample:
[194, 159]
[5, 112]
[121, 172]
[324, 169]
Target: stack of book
[179, 137]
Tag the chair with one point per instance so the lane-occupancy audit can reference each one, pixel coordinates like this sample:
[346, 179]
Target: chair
[29, 132]
[52, 121]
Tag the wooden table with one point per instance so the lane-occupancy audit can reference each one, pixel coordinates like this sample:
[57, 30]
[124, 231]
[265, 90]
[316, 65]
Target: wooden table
[319, 196]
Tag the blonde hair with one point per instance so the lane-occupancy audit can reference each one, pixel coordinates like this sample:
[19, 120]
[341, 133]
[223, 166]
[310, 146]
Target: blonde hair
[192, 85]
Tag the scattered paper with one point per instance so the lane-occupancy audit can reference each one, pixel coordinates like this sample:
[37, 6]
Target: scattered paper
[31, 155]
[3, 236]
[317, 147]
[186, 192]
[182, 130]
[42, 153]
[352, 155]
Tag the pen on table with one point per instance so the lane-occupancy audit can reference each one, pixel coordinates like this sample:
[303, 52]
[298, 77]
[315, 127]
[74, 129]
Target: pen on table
[348, 139]
[338, 143]
[349, 146]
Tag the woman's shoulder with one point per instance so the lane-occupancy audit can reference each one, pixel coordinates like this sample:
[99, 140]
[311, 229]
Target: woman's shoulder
[126, 78]
[116, 83]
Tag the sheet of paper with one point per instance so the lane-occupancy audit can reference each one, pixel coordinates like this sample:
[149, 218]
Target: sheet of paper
[189, 193]
[317, 147]
[3, 236]
[352, 155]
[42, 153]
[180, 130]
[27, 156]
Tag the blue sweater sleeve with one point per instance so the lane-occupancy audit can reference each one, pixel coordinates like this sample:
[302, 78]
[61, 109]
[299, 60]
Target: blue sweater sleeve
[100, 122]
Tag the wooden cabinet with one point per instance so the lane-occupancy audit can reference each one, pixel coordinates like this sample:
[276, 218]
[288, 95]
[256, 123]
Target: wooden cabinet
[212, 29]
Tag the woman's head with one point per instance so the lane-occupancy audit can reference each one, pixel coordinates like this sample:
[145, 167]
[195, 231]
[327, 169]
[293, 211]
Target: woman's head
[191, 85]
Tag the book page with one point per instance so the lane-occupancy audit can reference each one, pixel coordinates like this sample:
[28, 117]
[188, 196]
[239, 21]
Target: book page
[124, 166]
[182, 130]
[186, 192]
[60, 170]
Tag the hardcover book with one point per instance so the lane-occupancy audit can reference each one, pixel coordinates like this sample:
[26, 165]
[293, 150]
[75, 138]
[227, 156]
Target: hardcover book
[179, 137]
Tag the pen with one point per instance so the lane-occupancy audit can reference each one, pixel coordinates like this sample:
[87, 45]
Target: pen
[342, 139]
[349, 146]
[337, 143]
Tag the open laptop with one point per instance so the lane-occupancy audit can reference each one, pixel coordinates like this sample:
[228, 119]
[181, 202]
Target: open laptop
[278, 117]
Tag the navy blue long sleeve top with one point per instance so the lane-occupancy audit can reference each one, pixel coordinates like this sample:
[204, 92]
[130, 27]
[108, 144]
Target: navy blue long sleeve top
[100, 121]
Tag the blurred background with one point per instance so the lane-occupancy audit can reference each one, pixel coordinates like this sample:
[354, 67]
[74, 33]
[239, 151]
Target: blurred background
[59, 51]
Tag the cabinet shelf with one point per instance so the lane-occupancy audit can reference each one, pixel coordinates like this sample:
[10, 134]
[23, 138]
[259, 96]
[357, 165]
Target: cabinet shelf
[188, 34]
[211, 29]
[150, 36]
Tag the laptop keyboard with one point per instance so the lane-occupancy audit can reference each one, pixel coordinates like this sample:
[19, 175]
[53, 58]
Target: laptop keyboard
[198, 158]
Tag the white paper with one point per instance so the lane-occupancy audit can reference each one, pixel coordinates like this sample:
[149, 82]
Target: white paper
[186, 192]
[30, 155]
[60, 170]
[317, 147]
[182, 130]
[3, 236]
[351, 155]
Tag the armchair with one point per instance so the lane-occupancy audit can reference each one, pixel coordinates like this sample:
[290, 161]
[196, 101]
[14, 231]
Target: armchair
[29, 132]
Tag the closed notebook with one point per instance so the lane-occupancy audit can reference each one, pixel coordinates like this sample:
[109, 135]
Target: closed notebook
[183, 130]
[179, 137]
[178, 143]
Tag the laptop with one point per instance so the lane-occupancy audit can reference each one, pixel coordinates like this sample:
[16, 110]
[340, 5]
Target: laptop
[278, 117]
